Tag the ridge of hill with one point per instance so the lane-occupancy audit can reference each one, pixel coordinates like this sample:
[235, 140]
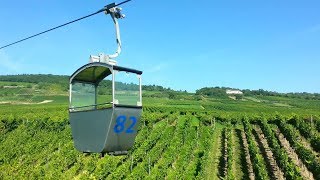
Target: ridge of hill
[60, 83]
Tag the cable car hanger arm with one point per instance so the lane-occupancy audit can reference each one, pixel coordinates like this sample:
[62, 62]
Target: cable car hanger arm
[115, 13]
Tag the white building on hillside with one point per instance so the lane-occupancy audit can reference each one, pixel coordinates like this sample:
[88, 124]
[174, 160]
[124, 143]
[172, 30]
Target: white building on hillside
[232, 91]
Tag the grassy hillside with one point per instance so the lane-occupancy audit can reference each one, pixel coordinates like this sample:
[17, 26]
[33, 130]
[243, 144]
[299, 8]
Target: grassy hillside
[52, 89]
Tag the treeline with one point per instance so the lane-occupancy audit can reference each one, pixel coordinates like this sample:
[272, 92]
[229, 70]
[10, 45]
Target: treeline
[43, 80]
[213, 91]
[36, 78]
[221, 92]
[261, 92]
[63, 80]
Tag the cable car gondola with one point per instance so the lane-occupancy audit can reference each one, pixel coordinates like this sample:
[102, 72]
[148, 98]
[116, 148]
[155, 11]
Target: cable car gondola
[105, 120]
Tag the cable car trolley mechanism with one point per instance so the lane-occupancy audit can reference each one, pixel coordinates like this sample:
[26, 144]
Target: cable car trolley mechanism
[104, 110]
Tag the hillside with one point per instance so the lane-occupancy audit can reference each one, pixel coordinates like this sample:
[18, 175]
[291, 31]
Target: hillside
[56, 85]
[53, 89]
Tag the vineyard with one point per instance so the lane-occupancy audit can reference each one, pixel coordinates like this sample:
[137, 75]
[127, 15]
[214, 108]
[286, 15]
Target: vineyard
[172, 143]
[230, 93]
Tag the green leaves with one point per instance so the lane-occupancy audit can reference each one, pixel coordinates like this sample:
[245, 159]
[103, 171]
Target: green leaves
[311, 161]
[259, 167]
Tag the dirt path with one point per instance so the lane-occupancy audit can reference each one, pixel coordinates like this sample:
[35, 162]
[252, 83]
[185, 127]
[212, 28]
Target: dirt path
[25, 103]
[214, 155]
[249, 163]
[272, 165]
[237, 165]
[293, 155]
[224, 157]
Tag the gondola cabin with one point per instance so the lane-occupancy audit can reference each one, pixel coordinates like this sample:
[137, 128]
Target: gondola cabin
[105, 107]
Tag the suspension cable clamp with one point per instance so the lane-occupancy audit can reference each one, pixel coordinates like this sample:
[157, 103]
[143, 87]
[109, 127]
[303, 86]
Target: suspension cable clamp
[114, 11]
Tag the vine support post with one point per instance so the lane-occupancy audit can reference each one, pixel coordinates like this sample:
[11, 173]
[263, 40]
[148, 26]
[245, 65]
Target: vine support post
[131, 163]
[197, 137]
[149, 167]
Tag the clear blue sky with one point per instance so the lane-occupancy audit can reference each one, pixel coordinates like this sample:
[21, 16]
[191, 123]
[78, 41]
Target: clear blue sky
[185, 45]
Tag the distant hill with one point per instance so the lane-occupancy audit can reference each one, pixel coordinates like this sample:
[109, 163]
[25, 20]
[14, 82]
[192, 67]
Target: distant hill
[45, 84]
[221, 92]
[59, 79]
[50, 89]
[61, 83]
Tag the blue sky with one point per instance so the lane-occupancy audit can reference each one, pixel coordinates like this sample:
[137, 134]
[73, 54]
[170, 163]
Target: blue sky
[185, 45]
